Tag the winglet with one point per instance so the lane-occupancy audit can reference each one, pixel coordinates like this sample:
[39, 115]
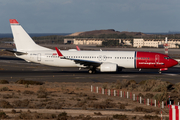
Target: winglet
[78, 48]
[13, 21]
[58, 52]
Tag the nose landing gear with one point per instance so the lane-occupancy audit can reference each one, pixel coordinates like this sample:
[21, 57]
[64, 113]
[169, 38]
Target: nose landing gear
[162, 69]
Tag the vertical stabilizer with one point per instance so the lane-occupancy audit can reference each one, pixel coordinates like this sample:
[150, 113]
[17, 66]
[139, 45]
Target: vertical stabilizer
[22, 40]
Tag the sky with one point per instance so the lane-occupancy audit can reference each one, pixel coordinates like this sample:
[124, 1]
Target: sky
[69, 16]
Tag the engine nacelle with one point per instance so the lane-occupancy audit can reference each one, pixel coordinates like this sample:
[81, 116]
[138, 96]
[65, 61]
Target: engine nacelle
[108, 67]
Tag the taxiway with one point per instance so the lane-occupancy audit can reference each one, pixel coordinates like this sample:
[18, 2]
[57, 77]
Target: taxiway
[13, 69]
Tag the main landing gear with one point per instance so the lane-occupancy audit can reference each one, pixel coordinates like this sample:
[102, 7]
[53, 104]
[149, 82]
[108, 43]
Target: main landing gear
[92, 71]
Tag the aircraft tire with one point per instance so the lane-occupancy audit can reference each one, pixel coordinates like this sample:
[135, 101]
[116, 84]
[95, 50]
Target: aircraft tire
[92, 71]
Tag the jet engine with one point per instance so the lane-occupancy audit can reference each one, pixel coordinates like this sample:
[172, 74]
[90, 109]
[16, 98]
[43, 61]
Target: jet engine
[108, 67]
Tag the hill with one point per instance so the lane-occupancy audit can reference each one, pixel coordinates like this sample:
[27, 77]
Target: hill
[108, 32]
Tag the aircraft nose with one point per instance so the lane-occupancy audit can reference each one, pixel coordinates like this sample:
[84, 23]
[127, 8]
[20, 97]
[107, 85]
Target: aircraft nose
[174, 62]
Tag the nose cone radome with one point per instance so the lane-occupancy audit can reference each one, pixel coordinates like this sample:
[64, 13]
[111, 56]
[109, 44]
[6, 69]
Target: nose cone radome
[173, 62]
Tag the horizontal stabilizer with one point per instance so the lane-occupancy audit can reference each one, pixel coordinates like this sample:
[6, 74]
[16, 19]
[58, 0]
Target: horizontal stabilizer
[14, 51]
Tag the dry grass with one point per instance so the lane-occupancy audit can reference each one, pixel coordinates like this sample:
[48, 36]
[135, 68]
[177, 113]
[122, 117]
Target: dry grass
[66, 95]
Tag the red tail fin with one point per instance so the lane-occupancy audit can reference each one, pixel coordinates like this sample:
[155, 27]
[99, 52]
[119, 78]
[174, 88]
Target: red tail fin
[13, 21]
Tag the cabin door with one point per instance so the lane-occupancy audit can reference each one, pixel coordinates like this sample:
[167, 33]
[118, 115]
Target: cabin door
[156, 59]
[39, 57]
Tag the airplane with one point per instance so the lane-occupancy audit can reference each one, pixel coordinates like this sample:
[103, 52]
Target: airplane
[104, 61]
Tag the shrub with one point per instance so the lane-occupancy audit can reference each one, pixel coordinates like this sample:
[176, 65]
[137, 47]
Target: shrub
[140, 95]
[3, 115]
[34, 116]
[29, 82]
[28, 92]
[141, 109]
[154, 86]
[98, 113]
[150, 117]
[91, 98]
[13, 111]
[4, 82]
[4, 89]
[62, 116]
[149, 95]
[5, 104]
[103, 105]
[161, 97]
[6, 96]
[104, 86]
[82, 94]
[118, 84]
[120, 117]
[122, 106]
[81, 103]
[25, 115]
[54, 105]
[19, 103]
[42, 92]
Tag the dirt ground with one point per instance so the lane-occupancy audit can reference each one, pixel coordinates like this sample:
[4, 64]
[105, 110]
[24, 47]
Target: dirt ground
[54, 100]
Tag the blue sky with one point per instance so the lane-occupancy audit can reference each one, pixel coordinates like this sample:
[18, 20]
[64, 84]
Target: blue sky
[69, 16]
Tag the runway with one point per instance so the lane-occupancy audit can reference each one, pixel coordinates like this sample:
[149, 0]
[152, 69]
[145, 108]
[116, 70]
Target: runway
[14, 69]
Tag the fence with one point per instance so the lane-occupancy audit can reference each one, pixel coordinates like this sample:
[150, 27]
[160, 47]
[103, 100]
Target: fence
[130, 95]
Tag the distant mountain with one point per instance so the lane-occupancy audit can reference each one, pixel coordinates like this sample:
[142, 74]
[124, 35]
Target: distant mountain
[107, 32]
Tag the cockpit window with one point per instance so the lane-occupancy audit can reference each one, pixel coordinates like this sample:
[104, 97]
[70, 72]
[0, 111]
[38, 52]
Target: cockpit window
[167, 58]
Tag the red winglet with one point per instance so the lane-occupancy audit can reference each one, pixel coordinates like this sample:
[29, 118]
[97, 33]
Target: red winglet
[78, 48]
[58, 52]
[13, 21]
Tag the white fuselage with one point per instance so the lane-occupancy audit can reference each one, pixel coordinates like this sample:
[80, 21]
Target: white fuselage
[123, 59]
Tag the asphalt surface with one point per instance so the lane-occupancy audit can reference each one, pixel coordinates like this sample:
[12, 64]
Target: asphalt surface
[14, 69]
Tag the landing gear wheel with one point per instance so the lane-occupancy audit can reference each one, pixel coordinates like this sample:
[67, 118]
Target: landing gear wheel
[92, 71]
[160, 72]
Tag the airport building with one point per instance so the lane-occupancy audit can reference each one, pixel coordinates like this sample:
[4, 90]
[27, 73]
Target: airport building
[136, 42]
[156, 43]
[86, 41]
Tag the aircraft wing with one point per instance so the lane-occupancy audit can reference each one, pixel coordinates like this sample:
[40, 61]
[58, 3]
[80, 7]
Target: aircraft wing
[87, 63]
